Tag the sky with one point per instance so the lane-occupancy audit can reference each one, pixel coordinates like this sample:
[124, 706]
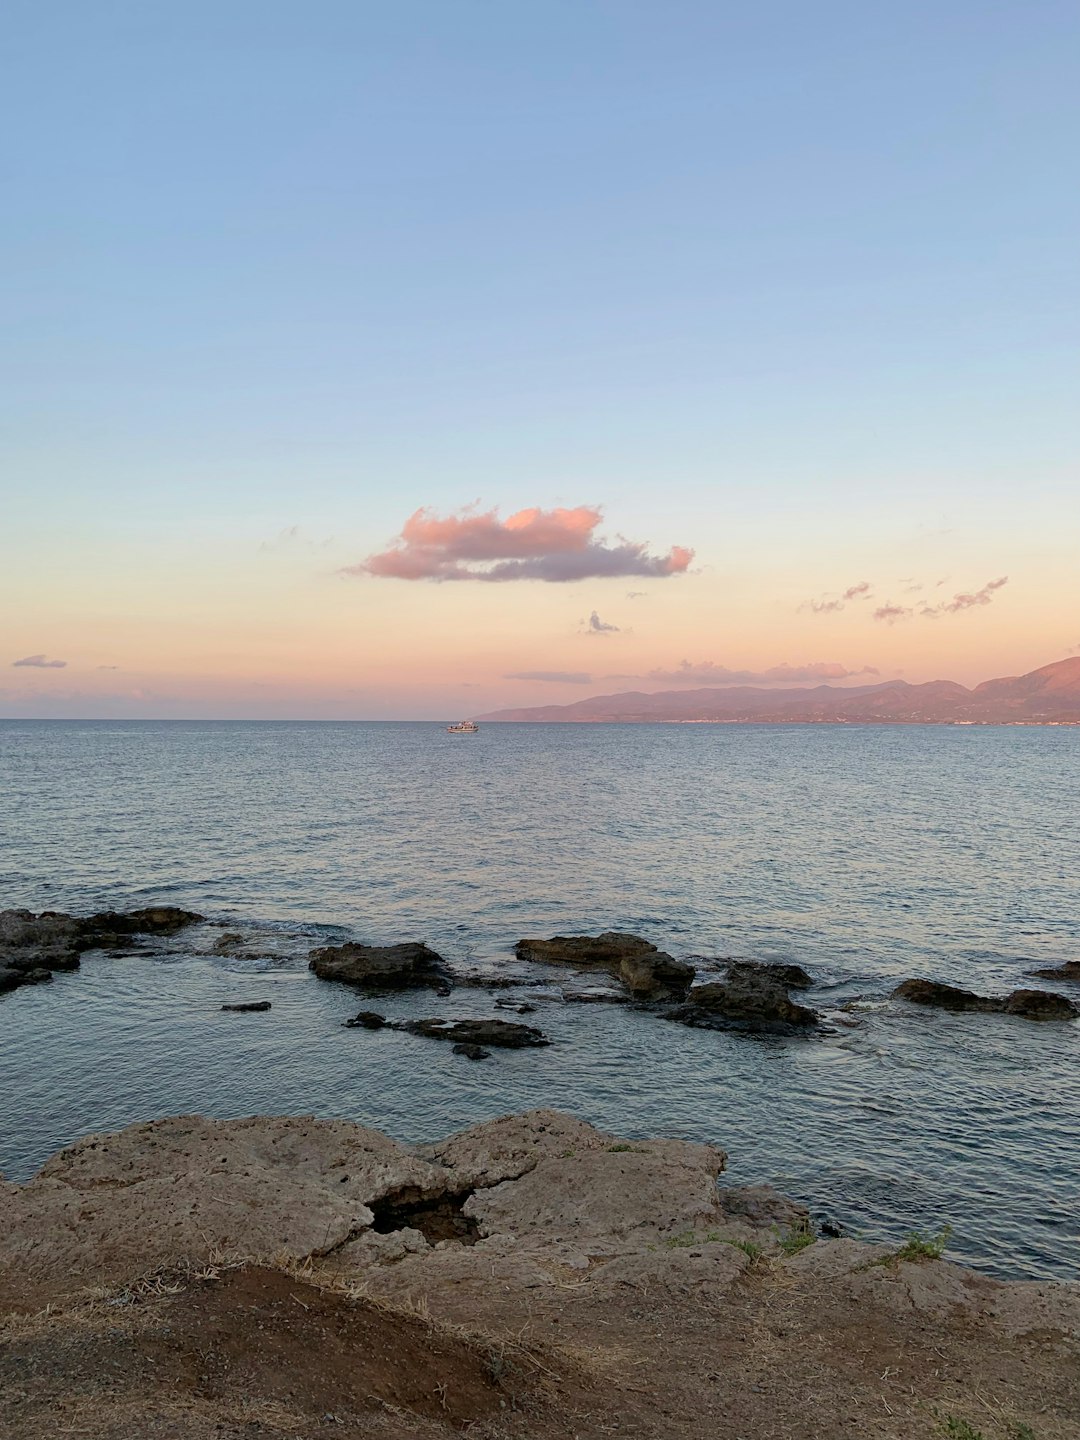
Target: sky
[418, 357]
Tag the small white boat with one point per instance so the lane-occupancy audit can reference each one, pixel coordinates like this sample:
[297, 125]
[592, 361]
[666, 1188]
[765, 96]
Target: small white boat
[463, 727]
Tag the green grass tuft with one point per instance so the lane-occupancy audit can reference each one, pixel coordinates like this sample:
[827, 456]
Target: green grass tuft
[960, 1429]
[798, 1238]
[626, 1150]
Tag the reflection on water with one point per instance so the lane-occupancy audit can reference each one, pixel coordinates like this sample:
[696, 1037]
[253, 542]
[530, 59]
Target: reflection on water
[864, 854]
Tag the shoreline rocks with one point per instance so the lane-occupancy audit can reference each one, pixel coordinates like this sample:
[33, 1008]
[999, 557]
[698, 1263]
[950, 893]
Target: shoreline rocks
[647, 973]
[408, 966]
[1028, 1004]
[53, 941]
[1068, 970]
[752, 995]
[466, 1036]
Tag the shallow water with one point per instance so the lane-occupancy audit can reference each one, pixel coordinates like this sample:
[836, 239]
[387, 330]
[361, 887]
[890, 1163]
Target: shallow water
[865, 854]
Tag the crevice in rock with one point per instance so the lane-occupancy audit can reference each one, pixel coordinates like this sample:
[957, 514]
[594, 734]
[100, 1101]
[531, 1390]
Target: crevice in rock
[439, 1217]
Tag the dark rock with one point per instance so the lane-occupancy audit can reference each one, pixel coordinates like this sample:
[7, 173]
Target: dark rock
[12, 978]
[1070, 970]
[47, 958]
[367, 1020]
[792, 977]
[1040, 1005]
[247, 1006]
[442, 991]
[153, 920]
[519, 1009]
[503, 1033]
[228, 942]
[1028, 1004]
[472, 1052]
[748, 997]
[944, 997]
[648, 973]
[379, 967]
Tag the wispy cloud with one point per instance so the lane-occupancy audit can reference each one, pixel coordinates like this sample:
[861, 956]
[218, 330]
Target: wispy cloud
[556, 546]
[595, 626]
[963, 600]
[38, 662]
[636, 594]
[828, 605]
[557, 677]
[707, 673]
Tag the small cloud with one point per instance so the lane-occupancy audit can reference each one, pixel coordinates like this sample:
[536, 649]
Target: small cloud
[108, 667]
[636, 594]
[556, 546]
[595, 626]
[293, 538]
[38, 662]
[889, 614]
[556, 677]
[979, 597]
[827, 605]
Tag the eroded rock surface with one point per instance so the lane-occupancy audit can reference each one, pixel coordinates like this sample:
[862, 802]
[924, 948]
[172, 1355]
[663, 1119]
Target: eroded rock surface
[750, 996]
[531, 1276]
[1068, 970]
[51, 940]
[648, 973]
[411, 965]
[503, 1033]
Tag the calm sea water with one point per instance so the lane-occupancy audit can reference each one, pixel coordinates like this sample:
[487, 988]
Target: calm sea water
[865, 854]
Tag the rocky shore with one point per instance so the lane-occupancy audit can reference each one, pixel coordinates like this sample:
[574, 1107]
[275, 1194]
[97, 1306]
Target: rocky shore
[531, 1276]
[727, 994]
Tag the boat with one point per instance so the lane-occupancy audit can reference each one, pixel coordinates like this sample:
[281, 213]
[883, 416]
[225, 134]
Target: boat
[463, 727]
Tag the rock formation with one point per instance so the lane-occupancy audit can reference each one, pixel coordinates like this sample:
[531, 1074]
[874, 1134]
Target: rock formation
[1029, 1004]
[648, 973]
[33, 946]
[529, 1277]
[380, 967]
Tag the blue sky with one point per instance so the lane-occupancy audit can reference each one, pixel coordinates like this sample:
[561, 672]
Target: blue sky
[776, 281]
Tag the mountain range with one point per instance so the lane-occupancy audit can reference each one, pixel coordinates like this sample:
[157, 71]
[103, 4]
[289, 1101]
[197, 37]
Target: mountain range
[1047, 696]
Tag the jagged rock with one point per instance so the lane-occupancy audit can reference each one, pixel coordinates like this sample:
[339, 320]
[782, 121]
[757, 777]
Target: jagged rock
[1028, 1004]
[225, 944]
[11, 977]
[1069, 970]
[53, 940]
[518, 1008]
[367, 1020]
[379, 967]
[472, 1052]
[648, 973]
[792, 977]
[749, 997]
[503, 1033]
[248, 1006]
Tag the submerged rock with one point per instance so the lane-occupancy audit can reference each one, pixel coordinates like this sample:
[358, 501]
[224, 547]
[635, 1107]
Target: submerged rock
[503, 1033]
[367, 1020]
[248, 1006]
[1028, 1004]
[380, 967]
[1069, 970]
[793, 977]
[472, 1052]
[648, 973]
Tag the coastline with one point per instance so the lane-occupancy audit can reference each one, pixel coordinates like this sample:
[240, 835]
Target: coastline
[532, 1275]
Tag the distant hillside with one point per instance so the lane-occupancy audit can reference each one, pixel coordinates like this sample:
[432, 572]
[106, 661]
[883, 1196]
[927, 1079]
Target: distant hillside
[1047, 696]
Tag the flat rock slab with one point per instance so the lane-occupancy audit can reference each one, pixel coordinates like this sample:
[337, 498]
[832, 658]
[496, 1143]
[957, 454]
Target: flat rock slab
[380, 967]
[248, 1007]
[503, 1033]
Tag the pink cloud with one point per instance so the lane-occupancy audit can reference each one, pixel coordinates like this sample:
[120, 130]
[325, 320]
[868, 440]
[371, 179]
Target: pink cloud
[891, 613]
[962, 601]
[553, 545]
[980, 597]
[824, 606]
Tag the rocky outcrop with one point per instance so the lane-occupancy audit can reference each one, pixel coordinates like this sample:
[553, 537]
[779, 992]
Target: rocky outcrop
[751, 996]
[1029, 1004]
[248, 1007]
[1069, 970]
[648, 973]
[380, 967]
[51, 941]
[529, 1276]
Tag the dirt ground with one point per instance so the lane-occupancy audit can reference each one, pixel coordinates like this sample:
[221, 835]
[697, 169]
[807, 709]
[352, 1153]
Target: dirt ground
[598, 1289]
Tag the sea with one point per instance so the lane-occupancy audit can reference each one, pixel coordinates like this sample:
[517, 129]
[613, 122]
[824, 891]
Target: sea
[866, 854]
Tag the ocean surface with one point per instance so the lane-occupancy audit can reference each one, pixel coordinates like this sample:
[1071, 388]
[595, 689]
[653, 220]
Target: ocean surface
[866, 854]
